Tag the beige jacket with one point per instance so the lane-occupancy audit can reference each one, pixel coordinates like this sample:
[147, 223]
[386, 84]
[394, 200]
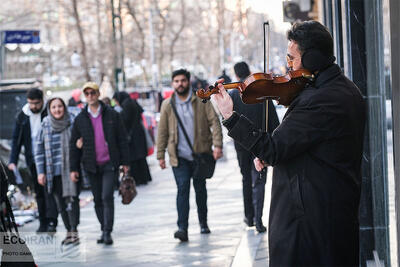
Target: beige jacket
[207, 132]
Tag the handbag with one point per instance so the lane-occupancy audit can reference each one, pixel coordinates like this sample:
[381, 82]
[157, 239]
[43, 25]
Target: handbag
[127, 188]
[203, 163]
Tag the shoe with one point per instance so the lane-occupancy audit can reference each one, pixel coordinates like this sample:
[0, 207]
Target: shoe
[42, 228]
[101, 239]
[51, 228]
[73, 239]
[248, 222]
[204, 229]
[182, 235]
[107, 238]
[261, 228]
[66, 239]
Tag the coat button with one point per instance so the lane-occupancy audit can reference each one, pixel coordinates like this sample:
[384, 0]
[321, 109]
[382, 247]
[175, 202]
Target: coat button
[255, 133]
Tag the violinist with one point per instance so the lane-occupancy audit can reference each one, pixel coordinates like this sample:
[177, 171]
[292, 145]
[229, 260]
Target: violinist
[316, 153]
[253, 181]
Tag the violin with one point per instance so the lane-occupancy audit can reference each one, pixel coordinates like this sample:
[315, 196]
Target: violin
[258, 87]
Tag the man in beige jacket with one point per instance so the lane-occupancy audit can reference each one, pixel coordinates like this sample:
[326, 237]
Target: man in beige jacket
[204, 131]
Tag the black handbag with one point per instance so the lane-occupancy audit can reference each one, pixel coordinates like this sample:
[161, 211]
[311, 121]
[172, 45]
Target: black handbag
[203, 163]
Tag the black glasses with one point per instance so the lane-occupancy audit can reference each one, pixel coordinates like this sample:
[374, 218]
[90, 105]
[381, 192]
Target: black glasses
[92, 93]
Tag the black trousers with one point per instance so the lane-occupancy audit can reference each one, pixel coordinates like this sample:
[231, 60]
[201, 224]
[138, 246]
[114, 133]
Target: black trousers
[67, 207]
[253, 186]
[47, 206]
[102, 186]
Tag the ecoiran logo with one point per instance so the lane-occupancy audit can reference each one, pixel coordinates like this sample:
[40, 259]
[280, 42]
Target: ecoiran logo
[48, 247]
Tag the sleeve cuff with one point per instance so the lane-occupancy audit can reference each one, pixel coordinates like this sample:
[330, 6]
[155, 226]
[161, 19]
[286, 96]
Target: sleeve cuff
[245, 132]
[230, 122]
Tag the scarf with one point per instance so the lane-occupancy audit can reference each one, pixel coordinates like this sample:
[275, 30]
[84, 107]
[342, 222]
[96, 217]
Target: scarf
[61, 126]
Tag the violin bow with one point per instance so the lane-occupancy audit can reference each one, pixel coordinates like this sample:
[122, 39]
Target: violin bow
[266, 67]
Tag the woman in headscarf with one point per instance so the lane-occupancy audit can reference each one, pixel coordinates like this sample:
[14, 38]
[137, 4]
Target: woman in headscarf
[132, 117]
[52, 163]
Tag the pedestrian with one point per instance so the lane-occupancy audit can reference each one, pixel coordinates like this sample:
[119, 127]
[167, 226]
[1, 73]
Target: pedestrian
[52, 164]
[27, 128]
[75, 99]
[131, 115]
[104, 148]
[253, 181]
[316, 153]
[204, 131]
[225, 76]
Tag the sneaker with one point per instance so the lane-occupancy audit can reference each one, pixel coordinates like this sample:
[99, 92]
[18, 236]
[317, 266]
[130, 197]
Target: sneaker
[51, 228]
[66, 239]
[182, 235]
[73, 239]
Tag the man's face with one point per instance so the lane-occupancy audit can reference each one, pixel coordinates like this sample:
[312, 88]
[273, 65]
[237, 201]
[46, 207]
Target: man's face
[35, 105]
[293, 56]
[180, 84]
[92, 96]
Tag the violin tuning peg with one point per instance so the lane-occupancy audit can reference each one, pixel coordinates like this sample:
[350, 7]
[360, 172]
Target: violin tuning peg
[211, 87]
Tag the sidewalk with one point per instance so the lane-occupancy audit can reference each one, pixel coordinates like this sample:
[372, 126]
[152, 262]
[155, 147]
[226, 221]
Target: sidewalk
[143, 230]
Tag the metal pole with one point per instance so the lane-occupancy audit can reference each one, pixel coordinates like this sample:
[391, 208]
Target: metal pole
[114, 45]
[154, 70]
[2, 54]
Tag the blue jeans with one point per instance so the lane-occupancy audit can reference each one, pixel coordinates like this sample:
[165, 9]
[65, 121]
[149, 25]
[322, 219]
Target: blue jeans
[182, 174]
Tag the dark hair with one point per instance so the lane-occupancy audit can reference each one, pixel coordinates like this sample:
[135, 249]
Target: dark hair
[121, 96]
[311, 34]
[241, 70]
[34, 93]
[181, 72]
[54, 98]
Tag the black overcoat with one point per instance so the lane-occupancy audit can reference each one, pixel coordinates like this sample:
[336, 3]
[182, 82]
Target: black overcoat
[114, 133]
[316, 154]
[132, 117]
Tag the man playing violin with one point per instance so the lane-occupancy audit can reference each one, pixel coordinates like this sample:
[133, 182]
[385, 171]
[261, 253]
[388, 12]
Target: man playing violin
[316, 154]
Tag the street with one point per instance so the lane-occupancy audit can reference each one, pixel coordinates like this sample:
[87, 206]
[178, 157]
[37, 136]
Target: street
[143, 231]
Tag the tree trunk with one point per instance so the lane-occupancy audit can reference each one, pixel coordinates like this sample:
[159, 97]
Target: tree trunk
[132, 12]
[81, 39]
[177, 34]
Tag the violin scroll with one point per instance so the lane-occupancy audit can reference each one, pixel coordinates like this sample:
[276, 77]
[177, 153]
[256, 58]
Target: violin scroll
[205, 95]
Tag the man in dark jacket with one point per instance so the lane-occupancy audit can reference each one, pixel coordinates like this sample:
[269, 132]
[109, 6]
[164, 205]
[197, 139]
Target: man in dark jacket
[27, 127]
[253, 181]
[104, 147]
[316, 153]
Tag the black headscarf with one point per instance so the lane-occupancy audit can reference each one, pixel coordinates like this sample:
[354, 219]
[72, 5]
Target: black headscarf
[121, 96]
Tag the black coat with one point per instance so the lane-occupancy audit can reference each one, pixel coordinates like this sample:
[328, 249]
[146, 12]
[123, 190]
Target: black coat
[255, 114]
[132, 117]
[114, 134]
[22, 137]
[316, 153]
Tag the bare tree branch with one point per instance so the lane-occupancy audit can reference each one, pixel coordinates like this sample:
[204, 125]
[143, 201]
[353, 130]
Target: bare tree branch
[81, 38]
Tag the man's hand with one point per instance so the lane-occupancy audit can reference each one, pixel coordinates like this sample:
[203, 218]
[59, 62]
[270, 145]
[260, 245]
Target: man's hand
[217, 153]
[259, 164]
[223, 100]
[41, 178]
[74, 176]
[11, 166]
[125, 168]
[161, 162]
[79, 143]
